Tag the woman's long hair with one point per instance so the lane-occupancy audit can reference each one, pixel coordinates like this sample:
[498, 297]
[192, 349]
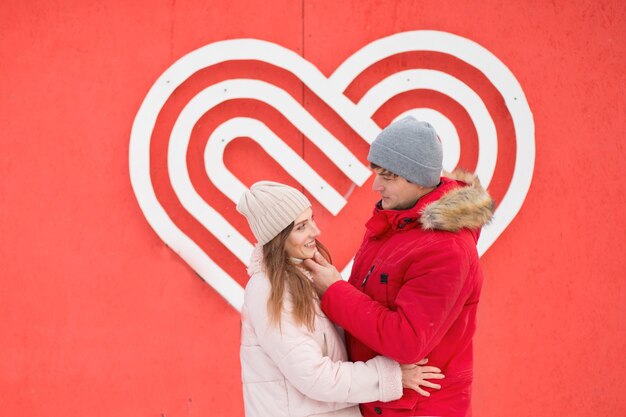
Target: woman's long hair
[283, 274]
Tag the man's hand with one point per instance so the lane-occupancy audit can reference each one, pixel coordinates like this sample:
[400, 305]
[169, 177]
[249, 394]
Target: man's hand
[324, 274]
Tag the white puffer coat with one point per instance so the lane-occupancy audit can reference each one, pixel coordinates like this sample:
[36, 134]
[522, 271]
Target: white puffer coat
[292, 372]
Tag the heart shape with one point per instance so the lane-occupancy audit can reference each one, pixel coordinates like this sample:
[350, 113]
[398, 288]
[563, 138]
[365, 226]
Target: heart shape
[357, 116]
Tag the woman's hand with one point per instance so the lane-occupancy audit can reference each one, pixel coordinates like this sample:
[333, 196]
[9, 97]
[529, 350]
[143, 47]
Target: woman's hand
[414, 376]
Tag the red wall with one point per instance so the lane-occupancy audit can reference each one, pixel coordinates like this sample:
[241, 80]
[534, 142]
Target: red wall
[99, 317]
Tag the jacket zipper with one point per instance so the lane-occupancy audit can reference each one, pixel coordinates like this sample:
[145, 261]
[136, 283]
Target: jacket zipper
[367, 276]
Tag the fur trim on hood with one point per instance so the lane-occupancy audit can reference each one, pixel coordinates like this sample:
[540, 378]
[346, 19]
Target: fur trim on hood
[468, 207]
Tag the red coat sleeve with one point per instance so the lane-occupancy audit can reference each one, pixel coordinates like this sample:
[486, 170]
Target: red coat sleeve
[427, 304]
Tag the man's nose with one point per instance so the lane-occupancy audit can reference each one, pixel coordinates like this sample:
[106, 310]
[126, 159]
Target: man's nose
[377, 185]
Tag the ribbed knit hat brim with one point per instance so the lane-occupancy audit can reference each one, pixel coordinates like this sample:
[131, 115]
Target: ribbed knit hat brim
[270, 207]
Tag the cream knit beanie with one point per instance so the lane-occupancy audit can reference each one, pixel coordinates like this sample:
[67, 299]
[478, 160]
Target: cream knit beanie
[270, 207]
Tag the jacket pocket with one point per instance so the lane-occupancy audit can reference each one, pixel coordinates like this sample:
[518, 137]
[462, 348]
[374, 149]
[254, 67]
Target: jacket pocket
[392, 289]
[257, 366]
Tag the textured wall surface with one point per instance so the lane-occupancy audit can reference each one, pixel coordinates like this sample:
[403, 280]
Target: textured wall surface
[98, 316]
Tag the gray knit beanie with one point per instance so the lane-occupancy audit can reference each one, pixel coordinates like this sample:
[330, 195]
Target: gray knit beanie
[270, 207]
[410, 149]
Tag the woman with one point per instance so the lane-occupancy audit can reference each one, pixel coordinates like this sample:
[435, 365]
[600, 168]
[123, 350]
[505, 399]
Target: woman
[293, 359]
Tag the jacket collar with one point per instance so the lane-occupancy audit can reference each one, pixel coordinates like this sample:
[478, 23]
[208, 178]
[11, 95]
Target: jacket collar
[458, 202]
[384, 220]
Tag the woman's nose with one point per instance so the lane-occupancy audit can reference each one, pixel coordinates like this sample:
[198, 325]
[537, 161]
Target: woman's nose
[316, 231]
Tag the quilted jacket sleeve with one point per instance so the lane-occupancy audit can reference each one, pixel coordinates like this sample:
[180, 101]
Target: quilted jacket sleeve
[299, 357]
[427, 304]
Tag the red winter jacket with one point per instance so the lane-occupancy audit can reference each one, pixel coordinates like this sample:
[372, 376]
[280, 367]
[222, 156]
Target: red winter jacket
[413, 292]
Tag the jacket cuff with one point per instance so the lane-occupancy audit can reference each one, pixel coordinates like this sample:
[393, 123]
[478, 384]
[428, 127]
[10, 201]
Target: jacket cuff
[389, 378]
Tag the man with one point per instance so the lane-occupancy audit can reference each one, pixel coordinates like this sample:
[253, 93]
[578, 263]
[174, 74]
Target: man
[416, 279]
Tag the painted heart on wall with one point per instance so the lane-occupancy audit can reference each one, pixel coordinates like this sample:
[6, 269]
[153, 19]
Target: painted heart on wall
[358, 115]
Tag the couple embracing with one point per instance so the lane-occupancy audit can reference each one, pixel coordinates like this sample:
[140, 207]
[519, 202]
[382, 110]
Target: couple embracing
[396, 338]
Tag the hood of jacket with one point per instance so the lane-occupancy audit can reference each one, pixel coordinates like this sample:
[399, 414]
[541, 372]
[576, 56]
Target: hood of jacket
[458, 202]
[466, 206]
[255, 264]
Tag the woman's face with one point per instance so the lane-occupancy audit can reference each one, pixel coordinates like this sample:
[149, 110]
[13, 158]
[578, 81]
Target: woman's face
[301, 241]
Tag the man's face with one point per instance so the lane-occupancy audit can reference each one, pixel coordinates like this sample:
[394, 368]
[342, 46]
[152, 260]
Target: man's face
[396, 192]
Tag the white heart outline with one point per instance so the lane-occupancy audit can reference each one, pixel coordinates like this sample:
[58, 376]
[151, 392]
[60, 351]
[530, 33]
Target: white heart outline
[329, 90]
